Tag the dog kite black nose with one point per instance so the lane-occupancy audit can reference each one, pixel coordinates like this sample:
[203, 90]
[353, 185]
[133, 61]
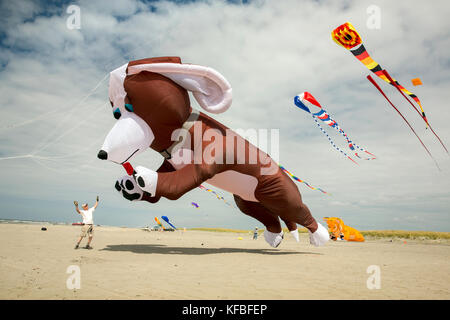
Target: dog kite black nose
[102, 154]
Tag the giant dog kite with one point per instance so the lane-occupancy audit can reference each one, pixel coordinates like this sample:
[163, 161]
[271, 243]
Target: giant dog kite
[150, 100]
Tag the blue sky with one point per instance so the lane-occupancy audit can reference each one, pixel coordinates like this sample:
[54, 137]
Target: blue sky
[53, 82]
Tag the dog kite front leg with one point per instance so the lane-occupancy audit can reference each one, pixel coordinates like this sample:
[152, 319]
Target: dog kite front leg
[146, 179]
[130, 190]
[172, 185]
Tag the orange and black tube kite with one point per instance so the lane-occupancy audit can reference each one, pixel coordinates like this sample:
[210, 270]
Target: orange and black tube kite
[346, 36]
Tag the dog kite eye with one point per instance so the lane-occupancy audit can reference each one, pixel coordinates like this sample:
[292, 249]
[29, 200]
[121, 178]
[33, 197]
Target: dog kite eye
[129, 107]
[117, 113]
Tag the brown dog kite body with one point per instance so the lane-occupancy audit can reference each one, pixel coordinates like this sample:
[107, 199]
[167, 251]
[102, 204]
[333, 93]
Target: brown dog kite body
[150, 100]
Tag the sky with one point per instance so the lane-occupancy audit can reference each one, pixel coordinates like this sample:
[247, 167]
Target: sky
[54, 89]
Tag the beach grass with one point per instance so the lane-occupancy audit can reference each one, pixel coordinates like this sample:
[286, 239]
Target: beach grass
[378, 234]
[403, 234]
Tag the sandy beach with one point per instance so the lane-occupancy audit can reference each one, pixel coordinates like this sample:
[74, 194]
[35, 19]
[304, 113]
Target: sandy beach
[129, 263]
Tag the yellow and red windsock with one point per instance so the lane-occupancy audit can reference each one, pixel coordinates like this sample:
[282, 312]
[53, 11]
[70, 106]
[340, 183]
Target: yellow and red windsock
[346, 36]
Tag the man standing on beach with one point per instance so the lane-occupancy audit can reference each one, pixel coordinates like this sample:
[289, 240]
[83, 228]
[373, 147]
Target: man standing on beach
[255, 233]
[88, 223]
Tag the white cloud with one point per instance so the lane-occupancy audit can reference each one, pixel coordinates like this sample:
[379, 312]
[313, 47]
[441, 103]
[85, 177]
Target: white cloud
[269, 51]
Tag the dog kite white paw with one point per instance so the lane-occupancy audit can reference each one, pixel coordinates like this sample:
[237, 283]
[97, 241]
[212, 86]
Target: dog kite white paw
[146, 179]
[129, 189]
[294, 233]
[274, 239]
[320, 236]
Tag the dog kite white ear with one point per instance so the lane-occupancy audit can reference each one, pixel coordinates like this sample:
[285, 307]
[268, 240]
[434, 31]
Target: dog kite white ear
[211, 90]
[117, 92]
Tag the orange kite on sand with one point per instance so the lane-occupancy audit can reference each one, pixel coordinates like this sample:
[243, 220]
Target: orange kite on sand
[338, 230]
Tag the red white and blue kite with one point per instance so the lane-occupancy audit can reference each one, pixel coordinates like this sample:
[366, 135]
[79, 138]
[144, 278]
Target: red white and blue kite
[306, 99]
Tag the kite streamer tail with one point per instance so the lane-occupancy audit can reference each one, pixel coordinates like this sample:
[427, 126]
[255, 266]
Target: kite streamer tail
[300, 180]
[324, 116]
[384, 95]
[215, 193]
[383, 75]
[423, 113]
[438, 138]
[374, 157]
[354, 160]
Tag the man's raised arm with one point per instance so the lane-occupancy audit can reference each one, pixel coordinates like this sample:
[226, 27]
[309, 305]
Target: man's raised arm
[96, 203]
[76, 206]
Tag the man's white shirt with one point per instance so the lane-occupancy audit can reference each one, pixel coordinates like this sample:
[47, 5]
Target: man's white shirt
[87, 216]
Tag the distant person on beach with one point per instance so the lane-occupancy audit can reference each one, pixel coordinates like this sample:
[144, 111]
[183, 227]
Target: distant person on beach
[88, 223]
[255, 233]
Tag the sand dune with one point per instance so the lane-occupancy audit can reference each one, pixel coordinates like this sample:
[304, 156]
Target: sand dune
[131, 263]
